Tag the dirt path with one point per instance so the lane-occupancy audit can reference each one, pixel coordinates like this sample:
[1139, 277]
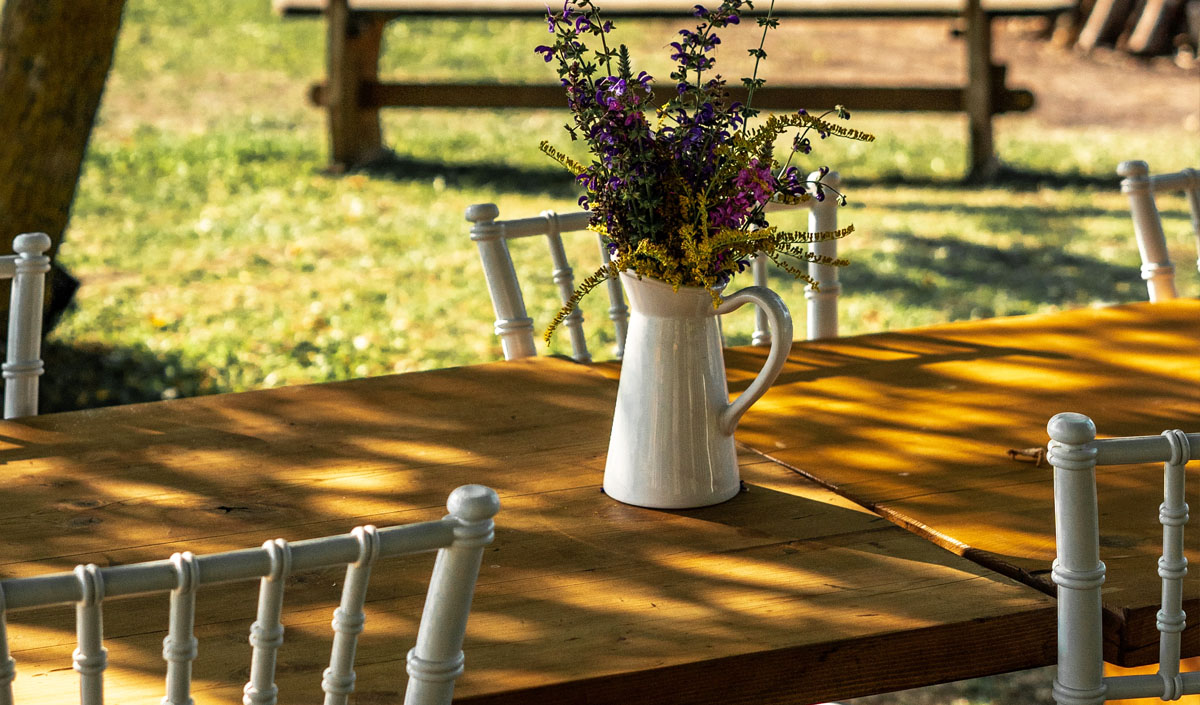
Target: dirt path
[1106, 88]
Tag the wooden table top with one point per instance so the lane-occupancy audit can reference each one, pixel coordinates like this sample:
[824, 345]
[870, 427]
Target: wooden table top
[787, 593]
[917, 424]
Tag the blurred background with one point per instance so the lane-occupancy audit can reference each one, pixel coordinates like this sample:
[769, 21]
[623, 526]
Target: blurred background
[215, 253]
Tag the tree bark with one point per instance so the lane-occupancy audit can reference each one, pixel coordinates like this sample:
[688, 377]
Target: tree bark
[54, 59]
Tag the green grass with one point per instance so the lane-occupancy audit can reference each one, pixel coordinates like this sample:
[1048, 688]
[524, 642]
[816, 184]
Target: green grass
[216, 256]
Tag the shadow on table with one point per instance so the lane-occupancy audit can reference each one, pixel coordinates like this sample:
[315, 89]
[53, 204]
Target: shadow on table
[138, 482]
[917, 426]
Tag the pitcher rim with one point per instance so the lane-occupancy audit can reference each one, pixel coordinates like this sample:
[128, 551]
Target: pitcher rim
[654, 281]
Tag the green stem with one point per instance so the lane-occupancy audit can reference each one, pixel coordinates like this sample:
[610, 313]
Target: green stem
[757, 58]
[603, 41]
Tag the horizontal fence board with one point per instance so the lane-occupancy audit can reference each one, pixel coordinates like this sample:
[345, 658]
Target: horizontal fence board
[495, 95]
[677, 8]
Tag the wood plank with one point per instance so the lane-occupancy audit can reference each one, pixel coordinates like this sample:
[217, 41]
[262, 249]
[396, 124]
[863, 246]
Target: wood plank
[917, 424]
[674, 8]
[782, 97]
[803, 594]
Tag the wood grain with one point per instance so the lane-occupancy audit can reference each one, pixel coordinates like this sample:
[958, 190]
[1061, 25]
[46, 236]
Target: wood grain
[787, 593]
[916, 425]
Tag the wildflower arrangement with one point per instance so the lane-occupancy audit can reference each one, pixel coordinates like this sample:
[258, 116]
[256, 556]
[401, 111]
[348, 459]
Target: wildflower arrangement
[678, 190]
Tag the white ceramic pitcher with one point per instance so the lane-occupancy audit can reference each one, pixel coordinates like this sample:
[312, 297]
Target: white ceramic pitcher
[672, 438]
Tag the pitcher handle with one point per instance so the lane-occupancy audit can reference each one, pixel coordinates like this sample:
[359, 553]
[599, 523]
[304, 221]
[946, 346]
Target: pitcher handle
[780, 320]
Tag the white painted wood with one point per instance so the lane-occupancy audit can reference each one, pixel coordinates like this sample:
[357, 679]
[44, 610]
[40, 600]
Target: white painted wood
[1078, 572]
[433, 664]
[437, 659]
[822, 303]
[23, 361]
[515, 327]
[90, 657]
[180, 646]
[1187, 181]
[266, 634]
[348, 619]
[1140, 187]
[513, 324]
[564, 277]
[618, 312]
[762, 331]
[672, 436]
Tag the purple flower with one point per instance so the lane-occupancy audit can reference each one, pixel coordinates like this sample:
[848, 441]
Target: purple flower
[645, 157]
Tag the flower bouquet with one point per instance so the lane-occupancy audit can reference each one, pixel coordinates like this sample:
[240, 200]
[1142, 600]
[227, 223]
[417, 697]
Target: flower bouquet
[678, 190]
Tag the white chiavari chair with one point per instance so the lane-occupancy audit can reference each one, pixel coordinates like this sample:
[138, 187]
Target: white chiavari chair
[516, 330]
[23, 357]
[433, 663]
[1140, 186]
[1078, 572]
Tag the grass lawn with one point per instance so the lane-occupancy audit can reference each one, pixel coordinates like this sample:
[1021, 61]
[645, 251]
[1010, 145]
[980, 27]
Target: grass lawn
[216, 256]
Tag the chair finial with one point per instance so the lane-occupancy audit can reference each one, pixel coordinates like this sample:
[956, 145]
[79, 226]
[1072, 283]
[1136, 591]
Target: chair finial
[1071, 428]
[482, 212]
[31, 243]
[473, 503]
[1133, 169]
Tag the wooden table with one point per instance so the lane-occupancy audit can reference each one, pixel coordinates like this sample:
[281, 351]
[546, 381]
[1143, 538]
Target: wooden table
[353, 94]
[916, 425]
[785, 594]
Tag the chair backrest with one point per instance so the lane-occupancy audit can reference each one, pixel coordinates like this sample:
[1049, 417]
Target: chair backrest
[433, 664]
[23, 358]
[1147, 224]
[1078, 572]
[515, 328]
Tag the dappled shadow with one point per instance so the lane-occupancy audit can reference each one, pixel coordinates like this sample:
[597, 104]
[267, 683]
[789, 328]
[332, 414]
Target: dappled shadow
[84, 376]
[513, 179]
[1013, 214]
[961, 277]
[786, 584]
[552, 180]
[1008, 176]
[917, 427]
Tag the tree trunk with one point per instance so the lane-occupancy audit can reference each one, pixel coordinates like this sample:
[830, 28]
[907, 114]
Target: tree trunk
[54, 59]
